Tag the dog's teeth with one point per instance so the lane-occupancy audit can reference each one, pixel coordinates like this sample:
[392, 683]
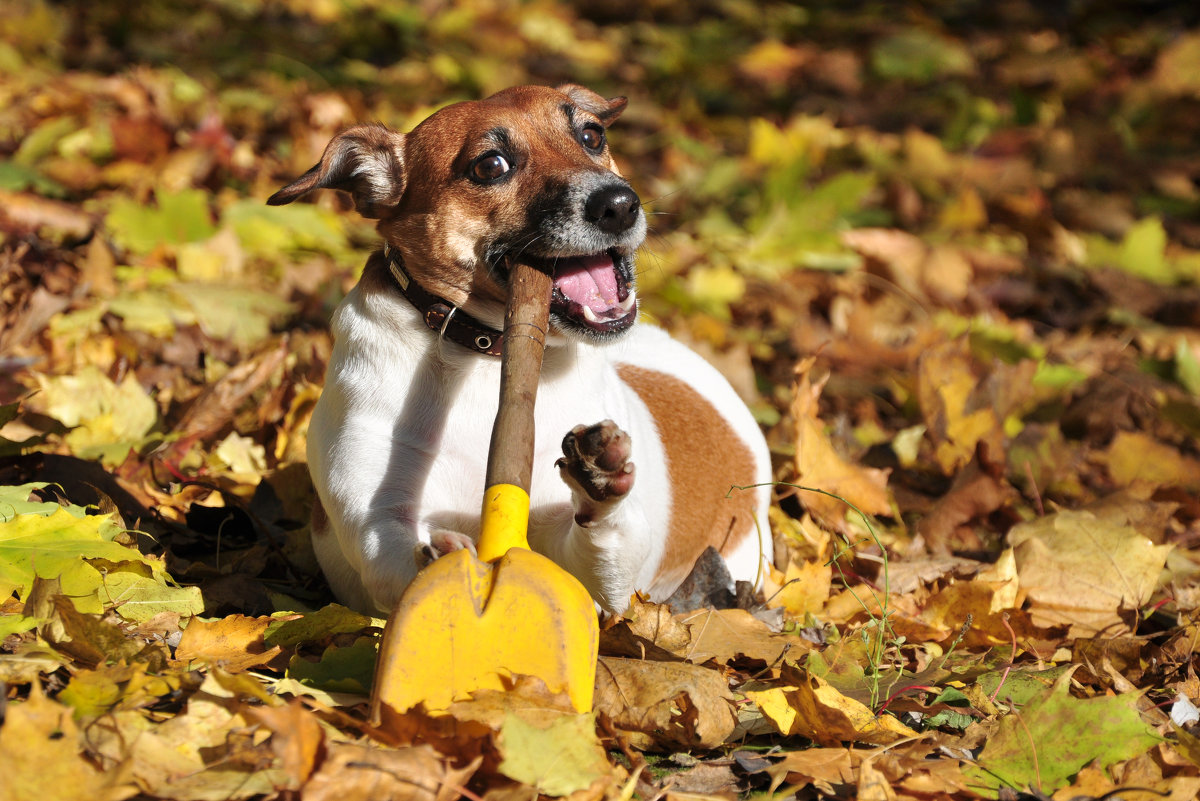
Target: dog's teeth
[590, 315]
[627, 304]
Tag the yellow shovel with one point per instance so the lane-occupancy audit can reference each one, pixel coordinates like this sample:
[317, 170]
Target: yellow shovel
[467, 624]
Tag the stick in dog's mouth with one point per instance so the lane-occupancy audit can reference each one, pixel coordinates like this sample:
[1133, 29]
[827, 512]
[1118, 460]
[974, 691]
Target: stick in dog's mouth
[593, 294]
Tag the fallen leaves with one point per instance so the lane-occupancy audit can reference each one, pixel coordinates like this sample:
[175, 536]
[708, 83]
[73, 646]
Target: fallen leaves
[1056, 735]
[954, 271]
[665, 704]
[820, 465]
[53, 764]
[815, 710]
[1085, 570]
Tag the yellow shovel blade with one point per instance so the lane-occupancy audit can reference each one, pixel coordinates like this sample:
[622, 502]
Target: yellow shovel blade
[464, 625]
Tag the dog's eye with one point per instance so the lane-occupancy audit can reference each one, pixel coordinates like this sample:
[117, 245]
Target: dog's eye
[592, 137]
[489, 167]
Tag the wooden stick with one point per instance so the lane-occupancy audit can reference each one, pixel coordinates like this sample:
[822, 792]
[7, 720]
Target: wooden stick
[526, 320]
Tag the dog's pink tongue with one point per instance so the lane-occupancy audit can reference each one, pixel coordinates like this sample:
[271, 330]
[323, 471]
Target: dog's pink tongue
[590, 281]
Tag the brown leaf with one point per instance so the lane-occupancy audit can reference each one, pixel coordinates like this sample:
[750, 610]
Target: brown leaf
[209, 413]
[823, 768]
[819, 465]
[296, 737]
[665, 704]
[873, 785]
[1082, 569]
[90, 639]
[977, 492]
[645, 630]
[723, 635]
[19, 210]
[369, 773]
[234, 643]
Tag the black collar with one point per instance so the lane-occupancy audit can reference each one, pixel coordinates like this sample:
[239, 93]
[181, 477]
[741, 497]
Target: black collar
[442, 317]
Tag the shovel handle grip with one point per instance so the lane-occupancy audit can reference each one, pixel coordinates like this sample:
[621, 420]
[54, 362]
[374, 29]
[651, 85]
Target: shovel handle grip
[510, 458]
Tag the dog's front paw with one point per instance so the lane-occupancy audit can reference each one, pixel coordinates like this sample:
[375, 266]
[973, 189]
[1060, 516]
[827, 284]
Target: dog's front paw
[596, 459]
[441, 543]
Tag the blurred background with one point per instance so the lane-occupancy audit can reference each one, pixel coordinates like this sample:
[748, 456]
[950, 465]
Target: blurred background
[930, 243]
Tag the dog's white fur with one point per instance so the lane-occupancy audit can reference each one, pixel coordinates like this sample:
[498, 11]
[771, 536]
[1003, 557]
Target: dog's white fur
[398, 444]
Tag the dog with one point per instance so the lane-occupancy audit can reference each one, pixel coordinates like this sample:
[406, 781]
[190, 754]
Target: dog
[398, 442]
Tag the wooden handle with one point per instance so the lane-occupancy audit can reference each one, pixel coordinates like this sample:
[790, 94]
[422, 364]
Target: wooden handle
[526, 320]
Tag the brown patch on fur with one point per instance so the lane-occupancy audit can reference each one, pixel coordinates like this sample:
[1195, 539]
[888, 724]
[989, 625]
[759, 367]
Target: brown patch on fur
[705, 457]
[319, 522]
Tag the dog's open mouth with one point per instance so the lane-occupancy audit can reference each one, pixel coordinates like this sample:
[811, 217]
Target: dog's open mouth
[591, 289]
[592, 294]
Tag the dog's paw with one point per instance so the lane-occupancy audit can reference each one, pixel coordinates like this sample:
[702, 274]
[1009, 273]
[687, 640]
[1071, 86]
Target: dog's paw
[441, 543]
[596, 459]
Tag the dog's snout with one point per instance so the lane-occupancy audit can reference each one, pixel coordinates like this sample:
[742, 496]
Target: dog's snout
[613, 209]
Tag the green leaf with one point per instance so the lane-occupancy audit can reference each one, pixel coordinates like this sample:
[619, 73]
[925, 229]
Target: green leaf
[1143, 252]
[242, 315]
[14, 500]
[15, 624]
[345, 670]
[137, 597]
[1058, 376]
[19, 177]
[1187, 367]
[181, 217]
[78, 549]
[558, 760]
[325, 622]
[1051, 739]
[56, 545]
[271, 231]
[920, 56]
[42, 140]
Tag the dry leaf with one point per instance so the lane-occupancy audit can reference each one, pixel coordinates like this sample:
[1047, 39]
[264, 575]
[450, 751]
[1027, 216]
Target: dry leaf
[44, 759]
[801, 590]
[233, 643]
[816, 710]
[370, 773]
[824, 768]
[725, 634]
[819, 465]
[296, 738]
[665, 704]
[1082, 569]
[958, 414]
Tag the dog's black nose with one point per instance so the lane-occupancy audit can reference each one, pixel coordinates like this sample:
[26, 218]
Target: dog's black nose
[613, 209]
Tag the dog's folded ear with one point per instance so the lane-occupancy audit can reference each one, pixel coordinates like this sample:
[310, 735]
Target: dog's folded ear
[367, 161]
[607, 109]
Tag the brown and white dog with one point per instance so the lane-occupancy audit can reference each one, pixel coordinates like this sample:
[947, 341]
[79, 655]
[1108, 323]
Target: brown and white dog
[398, 442]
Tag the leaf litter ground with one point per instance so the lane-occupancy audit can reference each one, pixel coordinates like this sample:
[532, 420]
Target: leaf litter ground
[952, 262]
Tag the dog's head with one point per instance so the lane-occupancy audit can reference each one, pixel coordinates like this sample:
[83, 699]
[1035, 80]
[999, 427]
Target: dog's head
[522, 175]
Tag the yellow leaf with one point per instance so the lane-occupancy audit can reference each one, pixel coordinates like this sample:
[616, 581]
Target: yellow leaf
[816, 710]
[819, 465]
[43, 760]
[957, 418]
[1134, 459]
[802, 589]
